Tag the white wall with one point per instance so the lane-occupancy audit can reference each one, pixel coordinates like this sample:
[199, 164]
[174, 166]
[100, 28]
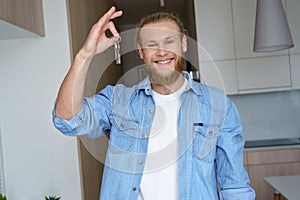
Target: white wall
[38, 160]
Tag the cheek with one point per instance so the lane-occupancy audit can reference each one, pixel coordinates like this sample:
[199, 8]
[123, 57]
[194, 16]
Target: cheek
[147, 56]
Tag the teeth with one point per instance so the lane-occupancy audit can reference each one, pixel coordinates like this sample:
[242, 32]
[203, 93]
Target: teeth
[164, 61]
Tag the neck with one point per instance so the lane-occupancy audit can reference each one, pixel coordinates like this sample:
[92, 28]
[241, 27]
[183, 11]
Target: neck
[169, 89]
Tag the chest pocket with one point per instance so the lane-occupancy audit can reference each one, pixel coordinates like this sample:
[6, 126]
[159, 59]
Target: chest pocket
[204, 144]
[124, 132]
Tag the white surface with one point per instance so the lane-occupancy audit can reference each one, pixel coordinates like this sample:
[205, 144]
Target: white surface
[10, 31]
[220, 74]
[288, 186]
[293, 20]
[295, 70]
[214, 29]
[2, 182]
[38, 160]
[260, 73]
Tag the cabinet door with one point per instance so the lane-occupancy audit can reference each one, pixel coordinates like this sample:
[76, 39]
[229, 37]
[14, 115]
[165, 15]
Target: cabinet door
[295, 69]
[263, 74]
[214, 29]
[276, 162]
[258, 172]
[220, 74]
[293, 20]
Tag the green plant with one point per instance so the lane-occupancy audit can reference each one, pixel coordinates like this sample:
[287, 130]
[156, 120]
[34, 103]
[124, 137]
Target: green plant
[2, 197]
[52, 198]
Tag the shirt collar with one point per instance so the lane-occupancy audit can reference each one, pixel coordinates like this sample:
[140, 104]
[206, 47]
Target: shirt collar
[191, 85]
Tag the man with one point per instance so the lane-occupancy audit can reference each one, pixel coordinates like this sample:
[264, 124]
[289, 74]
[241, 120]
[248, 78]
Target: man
[170, 137]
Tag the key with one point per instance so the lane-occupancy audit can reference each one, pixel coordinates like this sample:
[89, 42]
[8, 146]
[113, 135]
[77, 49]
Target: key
[117, 51]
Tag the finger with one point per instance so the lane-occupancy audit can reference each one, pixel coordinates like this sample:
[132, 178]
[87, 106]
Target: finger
[111, 27]
[110, 14]
[116, 14]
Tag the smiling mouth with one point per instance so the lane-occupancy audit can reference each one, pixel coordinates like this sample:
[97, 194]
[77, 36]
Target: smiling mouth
[164, 62]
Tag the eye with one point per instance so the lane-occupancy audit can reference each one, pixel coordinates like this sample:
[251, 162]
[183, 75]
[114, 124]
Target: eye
[151, 45]
[169, 41]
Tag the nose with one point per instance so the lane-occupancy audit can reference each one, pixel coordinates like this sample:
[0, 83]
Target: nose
[161, 51]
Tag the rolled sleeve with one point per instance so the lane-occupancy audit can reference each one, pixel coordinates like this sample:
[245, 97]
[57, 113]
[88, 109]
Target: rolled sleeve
[92, 120]
[237, 194]
[232, 177]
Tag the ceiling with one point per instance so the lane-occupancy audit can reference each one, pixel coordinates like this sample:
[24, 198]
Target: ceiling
[134, 10]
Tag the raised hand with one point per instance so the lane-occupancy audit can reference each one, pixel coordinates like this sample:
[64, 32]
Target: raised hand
[97, 41]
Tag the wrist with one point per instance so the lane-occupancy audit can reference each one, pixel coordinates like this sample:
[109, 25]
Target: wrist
[81, 61]
[82, 55]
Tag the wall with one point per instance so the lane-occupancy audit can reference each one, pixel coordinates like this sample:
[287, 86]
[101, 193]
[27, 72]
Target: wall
[274, 115]
[269, 115]
[226, 31]
[38, 160]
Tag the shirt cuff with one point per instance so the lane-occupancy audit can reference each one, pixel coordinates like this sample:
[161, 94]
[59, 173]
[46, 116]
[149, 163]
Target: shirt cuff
[238, 193]
[67, 127]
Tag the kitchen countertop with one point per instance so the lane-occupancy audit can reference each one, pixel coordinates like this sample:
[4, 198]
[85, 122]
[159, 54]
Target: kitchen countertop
[288, 186]
[272, 143]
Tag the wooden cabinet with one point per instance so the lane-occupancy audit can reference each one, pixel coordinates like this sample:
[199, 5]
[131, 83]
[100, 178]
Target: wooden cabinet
[262, 162]
[225, 33]
[25, 14]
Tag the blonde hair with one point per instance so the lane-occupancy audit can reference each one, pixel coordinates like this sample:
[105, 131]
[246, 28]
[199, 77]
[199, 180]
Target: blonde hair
[160, 17]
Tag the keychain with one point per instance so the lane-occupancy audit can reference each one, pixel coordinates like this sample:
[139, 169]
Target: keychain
[117, 51]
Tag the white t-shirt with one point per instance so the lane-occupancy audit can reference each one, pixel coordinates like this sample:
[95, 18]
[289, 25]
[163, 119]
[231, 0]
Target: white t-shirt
[159, 179]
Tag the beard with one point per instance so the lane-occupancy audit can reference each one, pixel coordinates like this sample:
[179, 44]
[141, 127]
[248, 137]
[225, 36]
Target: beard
[158, 78]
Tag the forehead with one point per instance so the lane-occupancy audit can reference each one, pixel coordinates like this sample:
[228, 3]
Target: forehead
[159, 30]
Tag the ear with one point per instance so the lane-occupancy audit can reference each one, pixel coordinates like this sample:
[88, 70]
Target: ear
[184, 43]
[140, 51]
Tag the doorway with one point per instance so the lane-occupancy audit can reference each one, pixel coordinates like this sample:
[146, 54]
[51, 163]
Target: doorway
[82, 14]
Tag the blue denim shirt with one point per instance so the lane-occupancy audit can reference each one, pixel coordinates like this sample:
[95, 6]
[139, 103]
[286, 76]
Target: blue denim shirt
[210, 147]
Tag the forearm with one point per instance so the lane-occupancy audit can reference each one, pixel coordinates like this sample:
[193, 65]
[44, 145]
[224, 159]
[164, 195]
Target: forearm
[70, 96]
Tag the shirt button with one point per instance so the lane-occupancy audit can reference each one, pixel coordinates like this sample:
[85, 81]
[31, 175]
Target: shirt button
[140, 162]
[150, 110]
[78, 120]
[121, 126]
[134, 188]
[144, 135]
